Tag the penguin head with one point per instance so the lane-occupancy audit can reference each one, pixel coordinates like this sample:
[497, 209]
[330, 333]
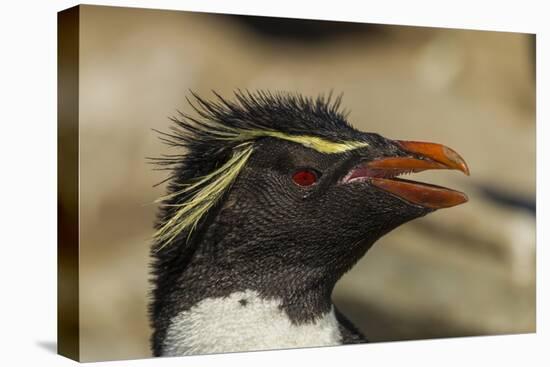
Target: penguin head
[282, 182]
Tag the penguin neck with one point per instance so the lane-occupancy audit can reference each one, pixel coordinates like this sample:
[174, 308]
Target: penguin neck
[304, 294]
[278, 292]
[273, 307]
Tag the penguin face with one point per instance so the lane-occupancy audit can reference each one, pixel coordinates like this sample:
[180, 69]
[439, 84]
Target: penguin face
[295, 206]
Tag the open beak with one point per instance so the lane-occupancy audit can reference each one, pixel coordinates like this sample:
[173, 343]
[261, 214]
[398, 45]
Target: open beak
[382, 173]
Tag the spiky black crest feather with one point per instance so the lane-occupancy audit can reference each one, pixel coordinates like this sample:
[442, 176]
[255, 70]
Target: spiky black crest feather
[291, 114]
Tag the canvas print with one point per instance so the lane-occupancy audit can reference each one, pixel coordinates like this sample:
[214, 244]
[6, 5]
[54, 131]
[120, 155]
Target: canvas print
[234, 183]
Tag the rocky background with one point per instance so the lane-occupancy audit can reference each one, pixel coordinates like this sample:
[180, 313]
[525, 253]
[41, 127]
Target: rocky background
[459, 272]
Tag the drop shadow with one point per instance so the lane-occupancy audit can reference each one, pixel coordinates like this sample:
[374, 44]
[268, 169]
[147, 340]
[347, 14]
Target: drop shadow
[48, 345]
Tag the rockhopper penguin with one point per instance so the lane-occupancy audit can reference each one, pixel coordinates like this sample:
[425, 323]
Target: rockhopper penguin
[273, 198]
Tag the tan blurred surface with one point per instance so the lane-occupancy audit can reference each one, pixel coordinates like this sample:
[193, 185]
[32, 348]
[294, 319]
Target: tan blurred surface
[464, 271]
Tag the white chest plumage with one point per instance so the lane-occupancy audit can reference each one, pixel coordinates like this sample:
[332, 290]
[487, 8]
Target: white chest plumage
[244, 322]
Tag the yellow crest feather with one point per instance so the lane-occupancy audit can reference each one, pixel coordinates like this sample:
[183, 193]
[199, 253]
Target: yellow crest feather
[205, 193]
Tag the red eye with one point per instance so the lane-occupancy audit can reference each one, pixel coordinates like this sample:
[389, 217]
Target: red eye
[304, 178]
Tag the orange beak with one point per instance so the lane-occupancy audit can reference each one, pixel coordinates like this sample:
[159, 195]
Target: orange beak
[381, 173]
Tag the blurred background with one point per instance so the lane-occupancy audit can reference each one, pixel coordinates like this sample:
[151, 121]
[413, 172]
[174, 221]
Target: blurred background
[459, 272]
